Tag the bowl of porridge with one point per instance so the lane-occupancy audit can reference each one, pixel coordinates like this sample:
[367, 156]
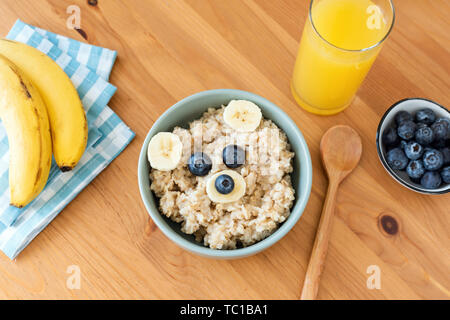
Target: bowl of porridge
[225, 173]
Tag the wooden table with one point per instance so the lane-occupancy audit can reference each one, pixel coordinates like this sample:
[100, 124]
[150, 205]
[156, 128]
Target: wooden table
[169, 49]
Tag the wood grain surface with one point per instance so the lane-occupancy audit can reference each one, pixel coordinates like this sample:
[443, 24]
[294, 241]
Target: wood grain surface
[169, 49]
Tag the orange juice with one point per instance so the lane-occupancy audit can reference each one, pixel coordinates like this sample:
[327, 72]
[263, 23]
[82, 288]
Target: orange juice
[340, 41]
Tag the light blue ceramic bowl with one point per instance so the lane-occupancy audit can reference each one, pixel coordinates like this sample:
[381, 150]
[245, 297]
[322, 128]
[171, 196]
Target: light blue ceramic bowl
[191, 108]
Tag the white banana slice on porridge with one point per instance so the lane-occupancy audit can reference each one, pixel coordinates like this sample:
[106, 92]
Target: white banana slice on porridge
[164, 151]
[242, 115]
[216, 194]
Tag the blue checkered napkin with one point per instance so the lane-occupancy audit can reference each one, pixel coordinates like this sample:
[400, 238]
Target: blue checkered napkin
[108, 136]
[98, 59]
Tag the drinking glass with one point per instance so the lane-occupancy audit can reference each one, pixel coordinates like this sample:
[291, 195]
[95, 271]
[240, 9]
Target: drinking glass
[341, 39]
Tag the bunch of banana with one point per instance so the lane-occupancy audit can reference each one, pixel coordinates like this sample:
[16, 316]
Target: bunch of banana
[26, 122]
[66, 114]
[42, 112]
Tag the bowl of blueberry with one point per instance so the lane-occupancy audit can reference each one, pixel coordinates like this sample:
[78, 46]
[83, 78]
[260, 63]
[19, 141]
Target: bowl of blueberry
[413, 143]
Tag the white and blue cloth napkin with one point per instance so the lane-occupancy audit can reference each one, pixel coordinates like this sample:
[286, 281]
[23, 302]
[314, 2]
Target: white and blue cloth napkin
[88, 67]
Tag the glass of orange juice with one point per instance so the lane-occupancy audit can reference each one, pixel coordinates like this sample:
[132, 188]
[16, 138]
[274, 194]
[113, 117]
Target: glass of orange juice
[340, 42]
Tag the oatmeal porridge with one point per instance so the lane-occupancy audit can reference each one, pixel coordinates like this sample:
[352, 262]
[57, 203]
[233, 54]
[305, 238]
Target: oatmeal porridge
[226, 178]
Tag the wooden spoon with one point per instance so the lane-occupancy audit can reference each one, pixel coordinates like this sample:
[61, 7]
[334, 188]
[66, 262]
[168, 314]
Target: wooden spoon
[340, 149]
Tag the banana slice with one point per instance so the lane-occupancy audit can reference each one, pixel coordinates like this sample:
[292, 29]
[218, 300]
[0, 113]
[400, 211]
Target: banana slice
[164, 151]
[242, 115]
[235, 195]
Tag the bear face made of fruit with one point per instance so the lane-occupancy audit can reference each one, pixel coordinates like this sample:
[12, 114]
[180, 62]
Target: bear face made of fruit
[165, 153]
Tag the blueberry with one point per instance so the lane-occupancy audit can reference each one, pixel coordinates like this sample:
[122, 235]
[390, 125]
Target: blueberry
[396, 159]
[421, 125]
[403, 116]
[446, 153]
[403, 144]
[431, 180]
[199, 164]
[390, 137]
[424, 135]
[415, 169]
[406, 130]
[447, 120]
[413, 150]
[433, 160]
[224, 184]
[445, 174]
[233, 156]
[426, 116]
[440, 129]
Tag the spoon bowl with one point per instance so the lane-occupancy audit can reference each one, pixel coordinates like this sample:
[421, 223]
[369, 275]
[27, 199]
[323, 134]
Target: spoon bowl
[340, 149]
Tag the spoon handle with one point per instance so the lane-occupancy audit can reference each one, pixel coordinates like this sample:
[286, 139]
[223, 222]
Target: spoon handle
[319, 251]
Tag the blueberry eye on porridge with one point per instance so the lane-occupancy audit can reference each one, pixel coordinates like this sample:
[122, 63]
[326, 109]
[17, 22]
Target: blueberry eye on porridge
[224, 195]
[224, 184]
[233, 156]
[199, 164]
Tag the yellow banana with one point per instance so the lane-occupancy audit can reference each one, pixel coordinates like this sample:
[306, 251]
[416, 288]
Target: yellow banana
[25, 118]
[66, 114]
